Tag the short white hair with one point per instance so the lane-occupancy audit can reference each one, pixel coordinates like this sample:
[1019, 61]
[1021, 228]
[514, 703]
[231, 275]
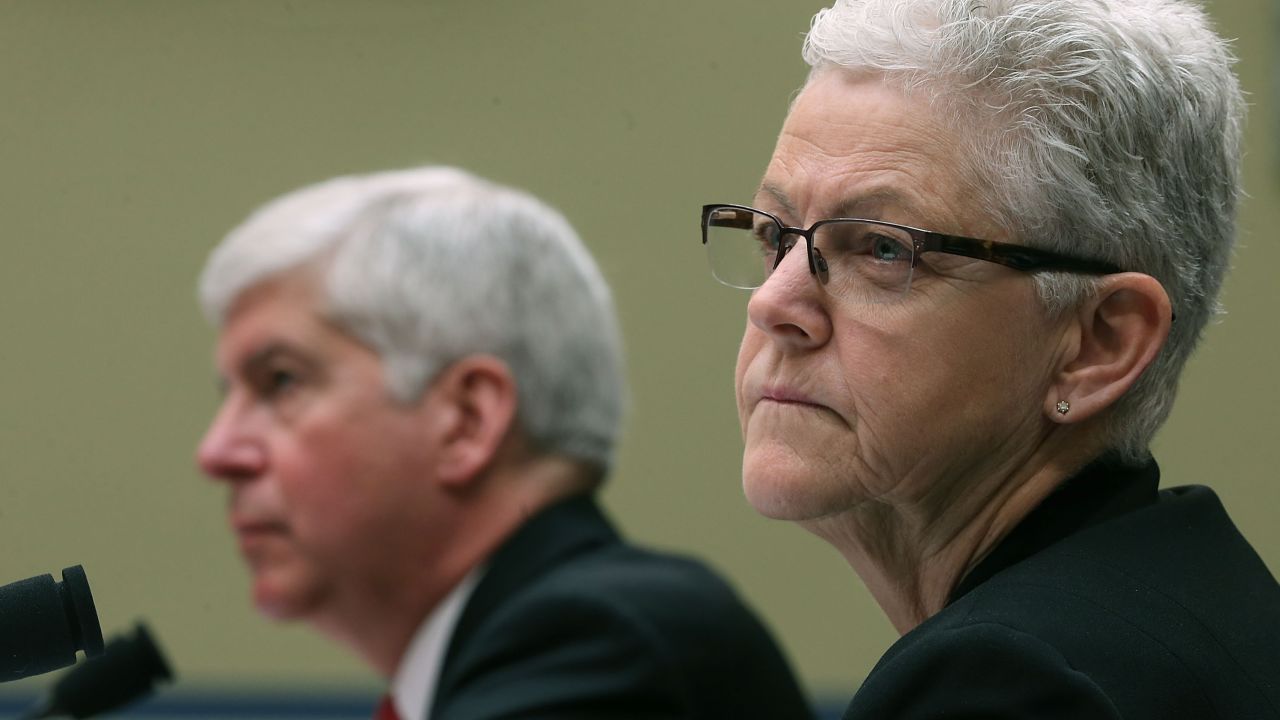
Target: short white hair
[1108, 129]
[429, 265]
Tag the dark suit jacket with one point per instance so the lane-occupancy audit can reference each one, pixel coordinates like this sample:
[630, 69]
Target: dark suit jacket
[571, 622]
[1111, 600]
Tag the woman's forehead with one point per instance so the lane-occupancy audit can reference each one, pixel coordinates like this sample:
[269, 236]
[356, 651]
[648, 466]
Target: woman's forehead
[856, 146]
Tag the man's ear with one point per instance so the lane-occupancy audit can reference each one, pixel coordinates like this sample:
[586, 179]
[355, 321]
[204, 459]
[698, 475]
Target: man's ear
[473, 406]
[1120, 331]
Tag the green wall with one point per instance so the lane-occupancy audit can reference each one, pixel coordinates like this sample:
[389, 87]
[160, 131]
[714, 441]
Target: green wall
[134, 134]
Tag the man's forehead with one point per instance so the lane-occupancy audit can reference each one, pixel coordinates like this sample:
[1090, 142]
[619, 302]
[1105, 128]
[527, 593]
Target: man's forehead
[292, 290]
[267, 319]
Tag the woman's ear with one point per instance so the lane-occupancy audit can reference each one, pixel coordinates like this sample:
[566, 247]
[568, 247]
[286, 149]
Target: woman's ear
[473, 407]
[1120, 331]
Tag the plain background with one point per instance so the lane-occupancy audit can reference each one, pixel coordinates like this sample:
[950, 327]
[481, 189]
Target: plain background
[134, 134]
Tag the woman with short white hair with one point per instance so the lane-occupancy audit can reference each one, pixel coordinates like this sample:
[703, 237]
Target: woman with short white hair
[987, 241]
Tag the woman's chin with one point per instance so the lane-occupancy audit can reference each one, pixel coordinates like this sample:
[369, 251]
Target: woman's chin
[781, 488]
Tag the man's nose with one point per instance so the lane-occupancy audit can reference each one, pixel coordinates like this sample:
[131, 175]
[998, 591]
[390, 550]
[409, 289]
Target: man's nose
[229, 449]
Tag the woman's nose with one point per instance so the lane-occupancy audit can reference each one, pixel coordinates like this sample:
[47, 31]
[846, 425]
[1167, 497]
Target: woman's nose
[789, 306]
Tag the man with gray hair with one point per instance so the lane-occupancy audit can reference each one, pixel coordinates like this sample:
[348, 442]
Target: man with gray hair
[423, 387]
[988, 239]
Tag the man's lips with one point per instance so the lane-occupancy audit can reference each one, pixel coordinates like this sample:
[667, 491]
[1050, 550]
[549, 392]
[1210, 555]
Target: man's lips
[255, 527]
[254, 537]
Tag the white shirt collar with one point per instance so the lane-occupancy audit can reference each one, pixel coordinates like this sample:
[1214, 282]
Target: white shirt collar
[414, 685]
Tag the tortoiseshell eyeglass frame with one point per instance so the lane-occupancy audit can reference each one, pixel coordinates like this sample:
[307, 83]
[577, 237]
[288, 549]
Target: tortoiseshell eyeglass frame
[1018, 257]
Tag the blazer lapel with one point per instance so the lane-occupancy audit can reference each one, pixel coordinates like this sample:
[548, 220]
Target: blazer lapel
[561, 531]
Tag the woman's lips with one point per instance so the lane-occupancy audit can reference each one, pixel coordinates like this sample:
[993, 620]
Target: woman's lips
[789, 397]
[783, 396]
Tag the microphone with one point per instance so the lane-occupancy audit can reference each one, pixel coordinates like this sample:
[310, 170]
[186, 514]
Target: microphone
[44, 622]
[126, 671]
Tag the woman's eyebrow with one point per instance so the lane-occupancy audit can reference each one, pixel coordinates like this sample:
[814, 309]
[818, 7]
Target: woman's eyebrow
[778, 195]
[872, 204]
[867, 205]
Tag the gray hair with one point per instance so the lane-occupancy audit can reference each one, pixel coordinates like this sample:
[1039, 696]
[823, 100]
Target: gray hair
[1108, 129]
[427, 266]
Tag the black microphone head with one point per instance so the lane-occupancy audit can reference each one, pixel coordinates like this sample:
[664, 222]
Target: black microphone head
[43, 623]
[83, 614]
[128, 670]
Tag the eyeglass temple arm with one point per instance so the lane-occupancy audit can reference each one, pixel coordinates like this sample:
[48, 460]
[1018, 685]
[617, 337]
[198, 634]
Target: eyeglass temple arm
[728, 216]
[1019, 257]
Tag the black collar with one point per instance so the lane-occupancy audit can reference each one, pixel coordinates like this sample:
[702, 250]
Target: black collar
[1101, 490]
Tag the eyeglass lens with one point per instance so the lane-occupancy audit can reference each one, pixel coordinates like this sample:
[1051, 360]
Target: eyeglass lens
[864, 261]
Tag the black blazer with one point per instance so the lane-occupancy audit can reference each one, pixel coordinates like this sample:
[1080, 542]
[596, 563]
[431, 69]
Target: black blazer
[1111, 600]
[571, 622]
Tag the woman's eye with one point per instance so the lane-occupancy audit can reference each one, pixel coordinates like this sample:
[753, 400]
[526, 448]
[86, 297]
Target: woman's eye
[887, 249]
[767, 236]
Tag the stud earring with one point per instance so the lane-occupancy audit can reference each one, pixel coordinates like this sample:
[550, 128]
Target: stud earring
[1063, 407]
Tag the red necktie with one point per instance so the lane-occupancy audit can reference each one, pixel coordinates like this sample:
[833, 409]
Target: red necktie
[386, 710]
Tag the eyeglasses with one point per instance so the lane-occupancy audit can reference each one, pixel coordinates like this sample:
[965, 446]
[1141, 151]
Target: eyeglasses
[866, 260]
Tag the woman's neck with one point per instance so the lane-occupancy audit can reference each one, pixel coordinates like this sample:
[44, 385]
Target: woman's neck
[912, 553]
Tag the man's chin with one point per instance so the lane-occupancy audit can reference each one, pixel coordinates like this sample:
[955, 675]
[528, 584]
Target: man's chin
[279, 603]
[275, 611]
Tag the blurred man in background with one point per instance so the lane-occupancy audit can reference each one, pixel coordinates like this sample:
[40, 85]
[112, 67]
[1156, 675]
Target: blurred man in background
[423, 388]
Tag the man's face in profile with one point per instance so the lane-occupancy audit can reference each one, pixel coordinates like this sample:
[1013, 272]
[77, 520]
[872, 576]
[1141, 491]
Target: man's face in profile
[325, 470]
